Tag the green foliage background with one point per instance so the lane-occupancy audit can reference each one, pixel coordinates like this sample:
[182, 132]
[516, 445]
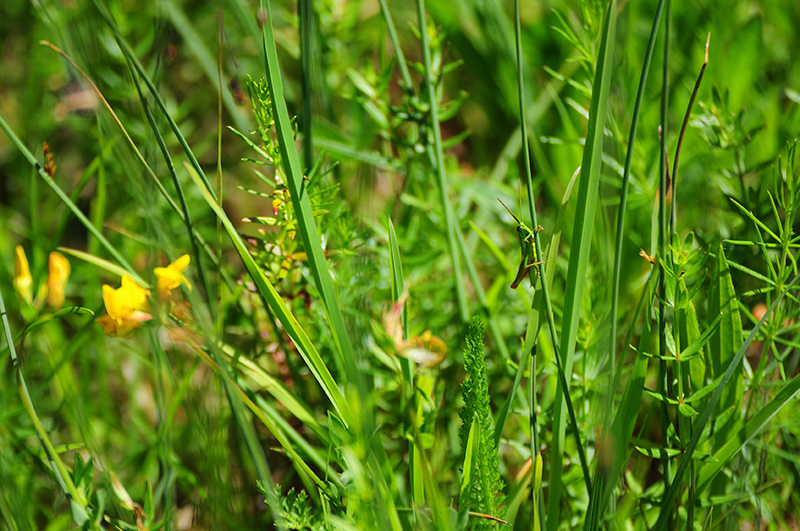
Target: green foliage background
[166, 422]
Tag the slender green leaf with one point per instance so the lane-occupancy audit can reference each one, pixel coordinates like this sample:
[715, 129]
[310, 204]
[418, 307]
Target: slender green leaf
[302, 205]
[580, 248]
[468, 473]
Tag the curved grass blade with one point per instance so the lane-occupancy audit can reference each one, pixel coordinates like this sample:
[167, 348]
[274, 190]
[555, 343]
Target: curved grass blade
[111, 267]
[284, 315]
[277, 389]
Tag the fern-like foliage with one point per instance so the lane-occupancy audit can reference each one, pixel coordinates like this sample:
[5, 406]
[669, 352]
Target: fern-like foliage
[295, 510]
[487, 488]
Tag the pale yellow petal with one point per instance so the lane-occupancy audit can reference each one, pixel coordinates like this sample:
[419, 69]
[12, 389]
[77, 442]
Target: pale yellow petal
[23, 281]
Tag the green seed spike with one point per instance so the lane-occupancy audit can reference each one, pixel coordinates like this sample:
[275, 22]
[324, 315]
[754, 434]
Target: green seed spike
[527, 244]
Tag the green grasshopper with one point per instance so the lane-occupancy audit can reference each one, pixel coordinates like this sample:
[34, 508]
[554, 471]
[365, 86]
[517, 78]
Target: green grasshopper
[527, 244]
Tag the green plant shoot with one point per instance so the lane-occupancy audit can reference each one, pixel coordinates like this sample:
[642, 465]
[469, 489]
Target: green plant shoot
[527, 244]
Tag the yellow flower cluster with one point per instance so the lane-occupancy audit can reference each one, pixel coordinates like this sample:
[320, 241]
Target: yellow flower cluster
[127, 307]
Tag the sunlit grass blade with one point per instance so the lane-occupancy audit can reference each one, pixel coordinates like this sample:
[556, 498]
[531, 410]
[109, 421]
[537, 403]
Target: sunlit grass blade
[96, 261]
[236, 394]
[282, 312]
[277, 389]
[580, 249]
[302, 205]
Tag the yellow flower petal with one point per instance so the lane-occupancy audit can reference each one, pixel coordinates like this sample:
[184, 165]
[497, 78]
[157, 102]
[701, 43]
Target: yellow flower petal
[57, 279]
[23, 281]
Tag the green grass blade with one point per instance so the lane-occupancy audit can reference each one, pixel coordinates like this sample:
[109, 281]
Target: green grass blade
[580, 249]
[302, 205]
[672, 493]
[737, 441]
[305, 10]
[77, 501]
[627, 413]
[277, 389]
[284, 315]
[236, 393]
[468, 473]
[722, 301]
[626, 175]
[111, 267]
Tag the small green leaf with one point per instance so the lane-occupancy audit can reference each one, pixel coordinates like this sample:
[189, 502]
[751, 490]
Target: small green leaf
[361, 83]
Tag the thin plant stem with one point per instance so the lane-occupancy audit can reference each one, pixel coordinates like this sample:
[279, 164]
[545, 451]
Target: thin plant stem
[663, 376]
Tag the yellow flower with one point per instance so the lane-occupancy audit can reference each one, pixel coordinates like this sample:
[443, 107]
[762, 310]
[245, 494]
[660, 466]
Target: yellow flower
[23, 282]
[171, 277]
[125, 307]
[57, 279]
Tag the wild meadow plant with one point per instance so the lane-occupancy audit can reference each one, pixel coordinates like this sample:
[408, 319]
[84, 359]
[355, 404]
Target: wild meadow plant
[323, 335]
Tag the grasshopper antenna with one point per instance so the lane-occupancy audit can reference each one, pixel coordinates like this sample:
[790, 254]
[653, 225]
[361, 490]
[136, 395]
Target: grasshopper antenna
[509, 211]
